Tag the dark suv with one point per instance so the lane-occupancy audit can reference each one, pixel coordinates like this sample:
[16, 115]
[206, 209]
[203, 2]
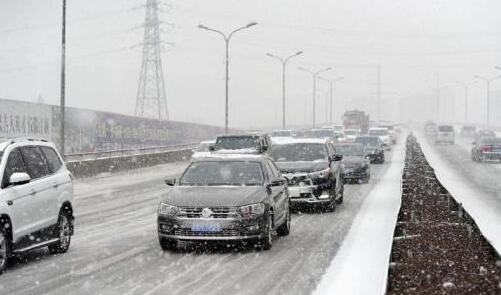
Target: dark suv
[242, 143]
[373, 147]
[225, 198]
[313, 171]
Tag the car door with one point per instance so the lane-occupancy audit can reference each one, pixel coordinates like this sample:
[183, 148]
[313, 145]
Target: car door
[43, 195]
[59, 180]
[20, 198]
[278, 192]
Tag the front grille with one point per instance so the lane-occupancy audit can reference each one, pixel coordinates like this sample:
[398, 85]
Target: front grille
[218, 212]
[224, 233]
[295, 180]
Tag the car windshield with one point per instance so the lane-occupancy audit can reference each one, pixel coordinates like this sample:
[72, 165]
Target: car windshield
[238, 173]
[323, 133]
[350, 150]
[236, 142]
[283, 133]
[378, 132]
[297, 152]
[350, 132]
[493, 141]
[445, 128]
[368, 141]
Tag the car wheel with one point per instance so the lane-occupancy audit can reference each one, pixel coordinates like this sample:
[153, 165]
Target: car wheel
[63, 229]
[4, 250]
[285, 228]
[266, 242]
[167, 244]
[340, 198]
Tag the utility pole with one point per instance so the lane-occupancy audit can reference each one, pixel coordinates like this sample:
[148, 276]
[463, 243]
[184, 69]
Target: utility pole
[466, 87]
[438, 89]
[63, 81]
[379, 92]
[314, 75]
[284, 64]
[151, 98]
[488, 88]
[227, 38]
[331, 87]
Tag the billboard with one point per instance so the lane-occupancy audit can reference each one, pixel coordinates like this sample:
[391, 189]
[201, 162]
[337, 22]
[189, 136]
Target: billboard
[94, 131]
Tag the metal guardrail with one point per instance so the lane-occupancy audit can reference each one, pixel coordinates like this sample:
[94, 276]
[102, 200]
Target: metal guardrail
[127, 152]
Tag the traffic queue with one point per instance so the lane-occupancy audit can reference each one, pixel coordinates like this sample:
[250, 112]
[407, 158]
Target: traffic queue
[244, 187]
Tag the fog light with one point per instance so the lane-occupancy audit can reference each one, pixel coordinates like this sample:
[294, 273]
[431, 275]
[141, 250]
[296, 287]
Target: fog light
[253, 227]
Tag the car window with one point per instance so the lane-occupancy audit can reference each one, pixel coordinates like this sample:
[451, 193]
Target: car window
[15, 164]
[274, 170]
[52, 158]
[35, 162]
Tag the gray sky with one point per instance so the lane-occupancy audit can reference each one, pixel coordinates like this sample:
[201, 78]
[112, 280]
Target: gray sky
[411, 40]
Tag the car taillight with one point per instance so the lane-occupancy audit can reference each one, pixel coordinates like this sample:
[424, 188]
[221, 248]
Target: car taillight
[486, 148]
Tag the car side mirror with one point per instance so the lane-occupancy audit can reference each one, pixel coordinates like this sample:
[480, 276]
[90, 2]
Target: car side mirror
[170, 181]
[212, 148]
[336, 158]
[19, 178]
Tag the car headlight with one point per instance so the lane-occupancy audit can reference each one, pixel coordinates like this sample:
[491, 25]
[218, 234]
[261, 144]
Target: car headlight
[320, 174]
[167, 210]
[251, 210]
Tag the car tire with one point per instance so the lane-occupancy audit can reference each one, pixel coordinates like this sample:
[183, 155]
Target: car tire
[167, 244]
[63, 229]
[340, 198]
[4, 250]
[285, 228]
[266, 242]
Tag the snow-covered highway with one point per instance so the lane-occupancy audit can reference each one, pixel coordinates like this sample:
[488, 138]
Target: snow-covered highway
[115, 248]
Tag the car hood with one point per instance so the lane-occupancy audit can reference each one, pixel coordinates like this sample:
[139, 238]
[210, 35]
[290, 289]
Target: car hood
[307, 167]
[214, 196]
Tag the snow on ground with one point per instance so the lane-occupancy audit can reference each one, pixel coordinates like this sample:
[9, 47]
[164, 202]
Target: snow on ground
[361, 265]
[484, 207]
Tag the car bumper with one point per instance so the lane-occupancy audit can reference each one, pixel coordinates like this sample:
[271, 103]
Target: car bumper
[308, 195]
[491, 155]
[234, 229]
[355, 173]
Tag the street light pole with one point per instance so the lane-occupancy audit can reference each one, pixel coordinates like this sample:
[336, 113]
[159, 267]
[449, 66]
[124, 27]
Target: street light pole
[63, 81]
[284, 64]
[466, 87]
[314, 75]
[488, 104]
[331, 86]
[227, 38]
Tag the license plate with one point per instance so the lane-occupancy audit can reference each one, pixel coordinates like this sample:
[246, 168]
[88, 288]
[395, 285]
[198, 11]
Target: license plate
[206, 227]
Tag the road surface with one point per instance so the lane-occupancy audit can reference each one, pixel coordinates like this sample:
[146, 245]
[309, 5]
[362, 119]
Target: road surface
[115, 248]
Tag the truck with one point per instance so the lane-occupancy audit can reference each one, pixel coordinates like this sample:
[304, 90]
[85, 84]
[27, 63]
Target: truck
[356, 119]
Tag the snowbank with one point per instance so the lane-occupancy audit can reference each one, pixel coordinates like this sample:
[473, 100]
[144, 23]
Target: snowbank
[484, 208]
[361, 264]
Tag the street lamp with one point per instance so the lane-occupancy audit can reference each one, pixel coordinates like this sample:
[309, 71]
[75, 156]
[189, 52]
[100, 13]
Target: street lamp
[331, 83]
[284, 64]
[227, 38]
[314, 75]
[62, 104]
[466, 87]
[488, 87]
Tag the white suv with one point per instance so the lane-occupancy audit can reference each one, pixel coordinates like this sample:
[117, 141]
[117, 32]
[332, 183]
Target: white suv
[36, 196]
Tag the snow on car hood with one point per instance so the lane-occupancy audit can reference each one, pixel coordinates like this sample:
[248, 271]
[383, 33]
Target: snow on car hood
[214, 196]
[353, 161]
[306, 167]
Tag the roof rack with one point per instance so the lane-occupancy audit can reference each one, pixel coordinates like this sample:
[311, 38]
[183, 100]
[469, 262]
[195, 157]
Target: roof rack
[21, 139]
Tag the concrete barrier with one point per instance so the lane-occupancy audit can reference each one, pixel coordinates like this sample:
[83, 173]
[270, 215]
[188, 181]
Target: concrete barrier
[87, 168]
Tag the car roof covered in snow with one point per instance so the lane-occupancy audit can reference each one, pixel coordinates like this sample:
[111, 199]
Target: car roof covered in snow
[215, 156]
[291, 140]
